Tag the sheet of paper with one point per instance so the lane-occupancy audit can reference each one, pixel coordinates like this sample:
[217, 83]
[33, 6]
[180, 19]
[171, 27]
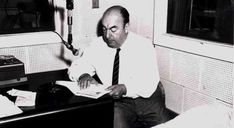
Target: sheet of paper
[94, 91]
[24, 98]
[7, 107]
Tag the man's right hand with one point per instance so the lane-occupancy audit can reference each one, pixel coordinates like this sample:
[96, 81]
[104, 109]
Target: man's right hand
[85, 80]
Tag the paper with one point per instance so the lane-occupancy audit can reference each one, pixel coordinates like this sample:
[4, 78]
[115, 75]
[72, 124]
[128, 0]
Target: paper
[94, 91]
[7, 107]
[24, 98]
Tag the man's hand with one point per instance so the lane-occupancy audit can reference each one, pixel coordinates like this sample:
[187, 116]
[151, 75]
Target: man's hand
[117, 91]
[85, 80]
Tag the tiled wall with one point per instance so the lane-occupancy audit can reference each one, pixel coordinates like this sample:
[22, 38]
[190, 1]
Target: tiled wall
[192, 80]
[41, 58]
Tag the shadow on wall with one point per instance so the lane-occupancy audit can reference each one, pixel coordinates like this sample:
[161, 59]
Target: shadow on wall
[61, 56]
[99, 31]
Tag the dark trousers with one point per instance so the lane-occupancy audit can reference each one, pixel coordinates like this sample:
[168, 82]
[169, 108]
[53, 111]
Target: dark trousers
[141, 112]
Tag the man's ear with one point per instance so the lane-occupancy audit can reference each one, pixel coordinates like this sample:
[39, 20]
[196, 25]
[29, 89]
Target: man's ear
[126, 27]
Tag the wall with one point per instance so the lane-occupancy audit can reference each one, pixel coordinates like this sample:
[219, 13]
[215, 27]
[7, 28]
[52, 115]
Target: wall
[192, 80]
[86, 18]
[193, 72]
[40, 58]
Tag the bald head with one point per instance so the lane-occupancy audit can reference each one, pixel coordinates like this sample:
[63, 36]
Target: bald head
[118, 9]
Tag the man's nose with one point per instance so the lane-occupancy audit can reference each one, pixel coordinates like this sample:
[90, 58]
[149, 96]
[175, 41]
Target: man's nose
[108, 34]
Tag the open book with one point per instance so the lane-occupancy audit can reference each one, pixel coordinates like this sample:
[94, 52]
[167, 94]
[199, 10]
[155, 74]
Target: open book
[94, 91]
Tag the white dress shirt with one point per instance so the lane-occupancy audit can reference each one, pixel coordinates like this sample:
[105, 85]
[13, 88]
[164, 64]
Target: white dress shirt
[138, 68]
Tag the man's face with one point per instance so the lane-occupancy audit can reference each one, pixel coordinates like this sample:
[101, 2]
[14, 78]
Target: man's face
[114, 30]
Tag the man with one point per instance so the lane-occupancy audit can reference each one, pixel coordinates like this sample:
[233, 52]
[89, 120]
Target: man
[138, 100]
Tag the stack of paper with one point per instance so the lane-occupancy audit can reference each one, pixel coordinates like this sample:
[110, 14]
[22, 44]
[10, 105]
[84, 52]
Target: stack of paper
[94, 91]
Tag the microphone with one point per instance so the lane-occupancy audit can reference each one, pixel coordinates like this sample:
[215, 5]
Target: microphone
[68, 44]
[75, 52]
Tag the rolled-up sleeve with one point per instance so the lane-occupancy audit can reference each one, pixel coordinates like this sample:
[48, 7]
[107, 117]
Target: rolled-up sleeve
[79, 67]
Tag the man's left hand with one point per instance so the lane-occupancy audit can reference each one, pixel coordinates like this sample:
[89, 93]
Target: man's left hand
[117, 91]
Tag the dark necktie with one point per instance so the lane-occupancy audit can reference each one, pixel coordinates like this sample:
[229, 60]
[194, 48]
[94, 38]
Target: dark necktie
[115, 76]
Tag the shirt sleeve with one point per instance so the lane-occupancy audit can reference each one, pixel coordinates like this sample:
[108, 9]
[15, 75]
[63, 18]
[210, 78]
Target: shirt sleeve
[80, 66]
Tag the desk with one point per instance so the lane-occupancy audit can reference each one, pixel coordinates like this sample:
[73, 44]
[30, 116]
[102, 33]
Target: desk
[63, 111]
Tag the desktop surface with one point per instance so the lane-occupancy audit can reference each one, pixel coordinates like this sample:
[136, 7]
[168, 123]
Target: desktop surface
[58, 107]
